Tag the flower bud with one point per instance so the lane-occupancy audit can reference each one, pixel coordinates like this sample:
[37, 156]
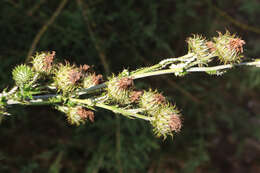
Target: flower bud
[152, 101]
[166, 121]
[119, 89]
[198, 45]
[229, 49]
[42, 62]
[67, 77]
[76, 115]
[23, 75]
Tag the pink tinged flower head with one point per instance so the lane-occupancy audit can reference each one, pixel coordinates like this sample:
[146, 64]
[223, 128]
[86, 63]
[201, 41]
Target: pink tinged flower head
[175, 123]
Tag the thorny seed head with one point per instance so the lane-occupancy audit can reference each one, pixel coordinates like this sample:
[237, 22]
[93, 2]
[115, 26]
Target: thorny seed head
[152, 102]
[85, 114]
[66, 77]
[78, 115]
[229, 48]
[166, 122]
[42, 62]
[198, 45]
[119, 89]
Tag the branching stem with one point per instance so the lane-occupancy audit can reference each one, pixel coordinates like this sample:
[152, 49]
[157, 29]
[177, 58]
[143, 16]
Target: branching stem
[114, 109]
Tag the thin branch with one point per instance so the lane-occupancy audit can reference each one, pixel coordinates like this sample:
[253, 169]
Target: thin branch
[101, 53]
[155, 73]
[183, 91]
[236, 22]
[112, 108]
[223, 67]
[44, 28]
[196, 69]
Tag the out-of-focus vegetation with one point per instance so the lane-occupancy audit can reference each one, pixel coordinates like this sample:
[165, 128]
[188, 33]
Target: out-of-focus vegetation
[221, 130]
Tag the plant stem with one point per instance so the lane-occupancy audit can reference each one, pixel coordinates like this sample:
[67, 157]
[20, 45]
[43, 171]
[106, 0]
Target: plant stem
[222, 67]
[196, 69]
[147, 72]
[115, 109]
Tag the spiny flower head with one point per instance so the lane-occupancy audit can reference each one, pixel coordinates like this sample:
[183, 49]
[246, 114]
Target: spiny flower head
[43, 62]
[166, 121]
[152, 101]
[67, 77]
[78, 115]
[198, 45]
[23, 75]
[228, 47]
[119, 89]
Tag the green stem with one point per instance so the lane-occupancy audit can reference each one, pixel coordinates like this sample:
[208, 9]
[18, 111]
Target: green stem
[112, 108]
[162, 64]
[41, 99]
[146, 69]
[222, 67]
[196, 69]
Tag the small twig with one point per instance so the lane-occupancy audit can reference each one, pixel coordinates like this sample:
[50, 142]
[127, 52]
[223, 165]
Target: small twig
[111, 108]
[101, 53]
[44, 28]
[235, 22]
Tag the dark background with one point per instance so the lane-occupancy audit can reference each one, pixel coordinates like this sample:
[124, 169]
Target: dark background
[221, 114]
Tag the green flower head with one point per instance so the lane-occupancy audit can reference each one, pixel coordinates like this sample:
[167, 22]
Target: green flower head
[166, 122]
[23, 75]
[198, 45]
[119, 89]
[43, 62]
[67, 77]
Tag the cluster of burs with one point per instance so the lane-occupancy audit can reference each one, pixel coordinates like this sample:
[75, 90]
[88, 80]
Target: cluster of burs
[226, 47]
[46, 76]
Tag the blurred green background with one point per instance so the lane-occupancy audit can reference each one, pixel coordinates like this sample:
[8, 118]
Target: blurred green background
[221, 114]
